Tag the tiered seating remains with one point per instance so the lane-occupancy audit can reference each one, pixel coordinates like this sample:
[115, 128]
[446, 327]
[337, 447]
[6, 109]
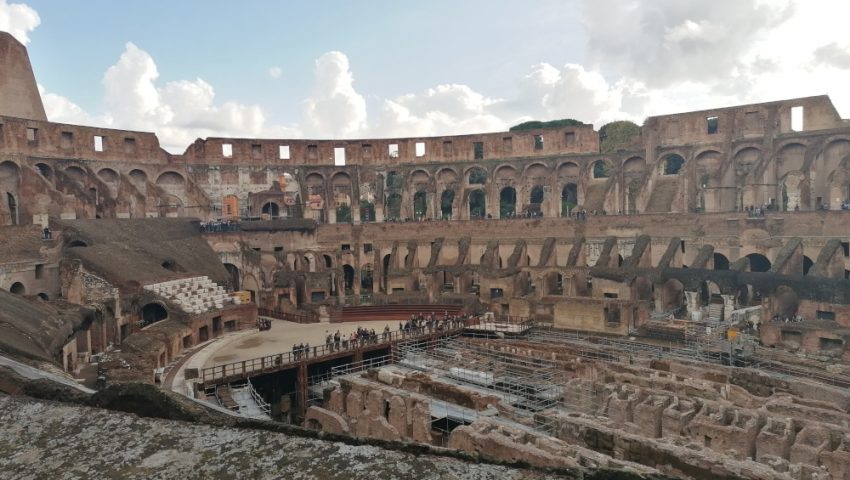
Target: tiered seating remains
[194, 295]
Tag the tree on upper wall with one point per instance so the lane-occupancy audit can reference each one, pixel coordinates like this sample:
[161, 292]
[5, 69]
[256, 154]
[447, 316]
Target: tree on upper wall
[617, 135]
[537, 124]
[343, 213]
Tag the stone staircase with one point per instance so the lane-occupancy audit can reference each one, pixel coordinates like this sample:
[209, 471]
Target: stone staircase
[715, 311]
[663, 194]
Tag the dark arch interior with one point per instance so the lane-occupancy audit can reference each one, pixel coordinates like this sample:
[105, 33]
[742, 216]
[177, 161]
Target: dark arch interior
[348, 277]
[394, 207]
[569, 199]
[78, 243]
[233, 270]
[600, 170]
[18, 288]
[420, 205]
[758, 262]
[807, 264]
[271, 209]
[446, 204]
[477, 204]
[152, 313]
[721, 262]
[673, 164]
[507, 202]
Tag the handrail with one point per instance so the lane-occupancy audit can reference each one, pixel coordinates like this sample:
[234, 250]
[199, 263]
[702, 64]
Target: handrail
[273, 362]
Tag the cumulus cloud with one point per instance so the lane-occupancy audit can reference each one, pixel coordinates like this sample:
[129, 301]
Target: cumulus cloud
[833, 55]
[335, 108]
[442, 110]
[18, 19]
[275, 72]
[665, 41]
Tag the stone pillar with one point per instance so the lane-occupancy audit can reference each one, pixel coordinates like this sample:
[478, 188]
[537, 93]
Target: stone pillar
[691, 300]
[728, 305]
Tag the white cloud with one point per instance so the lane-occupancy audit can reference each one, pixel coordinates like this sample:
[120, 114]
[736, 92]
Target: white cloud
[442, 110]
[18, 19]
[335, 108]
[275, 72]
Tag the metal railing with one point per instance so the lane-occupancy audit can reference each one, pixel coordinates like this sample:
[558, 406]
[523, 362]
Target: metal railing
[269, 363]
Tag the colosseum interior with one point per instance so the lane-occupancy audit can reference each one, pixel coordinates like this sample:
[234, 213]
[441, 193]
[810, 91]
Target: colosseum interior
[671, 303]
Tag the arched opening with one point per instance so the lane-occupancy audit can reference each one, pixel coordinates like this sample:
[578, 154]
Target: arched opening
[328, 261]
[271, 209]
[601, 169]
[44, 170]
[138, 177]
[13, 209]
[386, 271]
[108, 175]
[152, 313]
[170, 178]
[420, 205]
[43, 296]
[507, 202]
[233, 271]
[343, 213]
[477, 176]
[720, 262]
[394, 207]
[395, 180]
[758, 262]
[348, 278]
[673, 164]
[366, 281]
[77, 243]
[367, 211]
[674, 295]
[807, 264]
[536, 199]
[446, 204]
[477, 204]
[569, 199]
[18, 288]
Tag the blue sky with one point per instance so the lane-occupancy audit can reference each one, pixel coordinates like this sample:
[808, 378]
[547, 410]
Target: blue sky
[190, 69]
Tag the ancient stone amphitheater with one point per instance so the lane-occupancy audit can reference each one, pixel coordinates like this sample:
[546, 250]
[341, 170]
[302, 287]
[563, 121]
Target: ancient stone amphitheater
[668, 301]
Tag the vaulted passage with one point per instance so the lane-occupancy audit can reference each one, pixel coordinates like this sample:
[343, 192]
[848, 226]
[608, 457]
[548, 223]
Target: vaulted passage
[446, 204]
[477, 204]
[569, 199]
[507, 202]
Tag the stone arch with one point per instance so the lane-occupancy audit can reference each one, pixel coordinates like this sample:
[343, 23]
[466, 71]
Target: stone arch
[793, 191]
[634, 166]
[674, 295]
[807, 264]
[447, 204]
[600, 169]
[507, 202]
[672, 164]
[367, 280]
[568, 171]
[477, 204]
[77, 243]
[786, 302]
[233, 272]
[420, 205]
[315, 183]
[831, 182]
[139, 177]
[395, 180]
[43, 296]
[535, 199]
[536, 173]
[721, 262]
[18, 288]
[108, 175]
[505, 173]
[342, 194]
[393, 206]
[569, 198]
[790, 158]
[759, 263]
[170, 178]
[348, 278]
[44, 170]
[476, 176]
[641, 288]
[708, 164]
[151, 313]
[75, 173]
